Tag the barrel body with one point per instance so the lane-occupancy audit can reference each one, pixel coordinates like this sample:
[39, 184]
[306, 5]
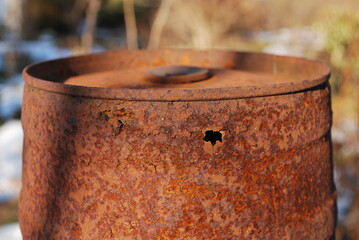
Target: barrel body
[242, 168]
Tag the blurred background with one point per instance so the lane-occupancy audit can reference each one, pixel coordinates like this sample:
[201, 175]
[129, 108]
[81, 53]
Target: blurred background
[326, 30]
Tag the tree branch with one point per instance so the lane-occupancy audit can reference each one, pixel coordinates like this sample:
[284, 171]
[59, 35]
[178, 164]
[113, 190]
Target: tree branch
[90, 25]
[159, 23]
[130, 22]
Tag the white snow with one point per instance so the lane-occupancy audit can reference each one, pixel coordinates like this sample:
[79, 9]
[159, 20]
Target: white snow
[11, 138]
[346, 134]
[43, 49]
[345, 197]
[292, 42]
[11, 97]
[10, 232]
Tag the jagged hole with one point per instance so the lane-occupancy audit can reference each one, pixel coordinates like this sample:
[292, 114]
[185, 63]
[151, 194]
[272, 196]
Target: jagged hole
[212, 136]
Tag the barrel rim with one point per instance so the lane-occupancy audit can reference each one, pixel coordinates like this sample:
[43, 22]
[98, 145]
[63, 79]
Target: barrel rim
[173, 94]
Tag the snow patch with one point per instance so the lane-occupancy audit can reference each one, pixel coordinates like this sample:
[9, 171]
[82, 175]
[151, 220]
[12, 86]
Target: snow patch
[10, 232]
[11, 138]
[292, 42]
[11, 97]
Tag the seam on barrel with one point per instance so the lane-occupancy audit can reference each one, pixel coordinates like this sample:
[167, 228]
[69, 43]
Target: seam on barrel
[321, 86]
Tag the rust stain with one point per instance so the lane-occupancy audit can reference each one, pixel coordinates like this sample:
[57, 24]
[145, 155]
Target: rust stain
[178, 162]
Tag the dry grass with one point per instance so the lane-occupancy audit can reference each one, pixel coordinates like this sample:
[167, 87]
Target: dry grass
[207, 24]
[8, 212]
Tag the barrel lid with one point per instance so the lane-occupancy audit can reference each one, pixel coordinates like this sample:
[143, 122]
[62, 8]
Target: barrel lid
[176, 75]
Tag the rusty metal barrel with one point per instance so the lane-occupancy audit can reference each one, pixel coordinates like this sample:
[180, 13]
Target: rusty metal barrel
[177, 144]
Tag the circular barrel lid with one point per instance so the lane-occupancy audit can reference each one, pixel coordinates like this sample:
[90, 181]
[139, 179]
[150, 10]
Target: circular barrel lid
[176, 75]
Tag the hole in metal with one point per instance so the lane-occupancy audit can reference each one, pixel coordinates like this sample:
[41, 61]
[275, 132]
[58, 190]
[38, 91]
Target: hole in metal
[212, 136]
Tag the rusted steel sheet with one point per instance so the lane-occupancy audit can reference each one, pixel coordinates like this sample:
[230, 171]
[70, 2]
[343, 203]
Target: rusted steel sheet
[178, 162]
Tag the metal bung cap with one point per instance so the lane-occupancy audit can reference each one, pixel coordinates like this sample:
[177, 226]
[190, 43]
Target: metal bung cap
[176, 75]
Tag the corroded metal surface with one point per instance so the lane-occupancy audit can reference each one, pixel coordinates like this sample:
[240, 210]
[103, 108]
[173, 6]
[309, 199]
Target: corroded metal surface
[235, 75]
[146, 168]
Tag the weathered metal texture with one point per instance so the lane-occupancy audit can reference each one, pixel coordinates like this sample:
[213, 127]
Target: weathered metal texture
[137, 166]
